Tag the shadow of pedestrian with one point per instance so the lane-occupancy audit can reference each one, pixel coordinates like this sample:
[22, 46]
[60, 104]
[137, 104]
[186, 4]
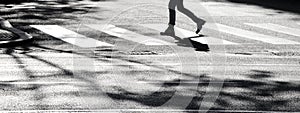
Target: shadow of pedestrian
[189, 42]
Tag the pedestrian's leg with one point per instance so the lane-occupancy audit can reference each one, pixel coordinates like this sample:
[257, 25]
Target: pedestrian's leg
[172, 12]
[191, 15]
[172, 19]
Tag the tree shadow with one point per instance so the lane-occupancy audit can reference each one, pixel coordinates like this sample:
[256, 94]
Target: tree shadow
[44, 1]
[83, 76]
[44, 12]
[13, 86]
[33, 12]
[257, 94]
[249, 95]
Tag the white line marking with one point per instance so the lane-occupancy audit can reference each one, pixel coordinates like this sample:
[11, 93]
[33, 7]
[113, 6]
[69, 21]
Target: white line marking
[182, 33]
[136, 64]
[229, 10]
[40, 83]
[277, 28]
[213, 41]
[70, 36]
[128, 35]
[289, 65]
[248, 34]
[195, 82]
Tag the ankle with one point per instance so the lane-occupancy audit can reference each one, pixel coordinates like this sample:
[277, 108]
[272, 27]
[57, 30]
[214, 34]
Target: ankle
[201, 22]
[171, 25]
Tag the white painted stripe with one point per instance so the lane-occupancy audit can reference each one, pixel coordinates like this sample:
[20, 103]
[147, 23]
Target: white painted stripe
[136, 64]
[257, 56]
[40, 83]
[205, 40]
[231, 10]
[70, 36]
[21, 7]
[277, 28]
[288, 65]
[225, 12]
[128, 35]
[117, 68]
[213, 41]
[98, 64]
[190, 82]
[182, 33]
[248, 34]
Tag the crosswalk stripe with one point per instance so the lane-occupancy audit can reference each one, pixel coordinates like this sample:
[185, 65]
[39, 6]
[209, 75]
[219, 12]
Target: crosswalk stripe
[37, 82]
[248, 34]
[187, 34]
[277, 28]
[205, 40]
[128, 35]
[70, 36]
[227, 10]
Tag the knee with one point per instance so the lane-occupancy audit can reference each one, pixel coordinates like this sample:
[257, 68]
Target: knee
[181, 8]
[172, 5]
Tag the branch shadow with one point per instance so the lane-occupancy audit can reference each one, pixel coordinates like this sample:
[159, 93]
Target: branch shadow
[250, 95]
[45, 12]
[257, 94]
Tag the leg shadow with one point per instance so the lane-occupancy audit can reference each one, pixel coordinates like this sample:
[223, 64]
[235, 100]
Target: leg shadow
[188, 42]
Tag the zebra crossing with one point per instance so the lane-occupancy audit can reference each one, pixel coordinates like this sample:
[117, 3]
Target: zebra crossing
[277, 28]
[77, 39]
[70, 36]
[250, 34]
[128, 35]
[186, 33]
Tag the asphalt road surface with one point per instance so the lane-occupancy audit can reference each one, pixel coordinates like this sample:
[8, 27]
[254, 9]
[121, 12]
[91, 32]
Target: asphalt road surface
[109, 56]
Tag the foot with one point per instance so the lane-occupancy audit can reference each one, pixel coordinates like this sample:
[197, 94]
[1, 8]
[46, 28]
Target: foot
[199, 26]
[169, 31]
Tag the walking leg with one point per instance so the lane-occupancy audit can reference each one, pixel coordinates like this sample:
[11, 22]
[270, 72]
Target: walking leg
[172, 19]
[191, 15]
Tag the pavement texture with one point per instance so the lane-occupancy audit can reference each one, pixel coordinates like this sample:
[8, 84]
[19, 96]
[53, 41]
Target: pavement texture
[51, 75]
[6, 35]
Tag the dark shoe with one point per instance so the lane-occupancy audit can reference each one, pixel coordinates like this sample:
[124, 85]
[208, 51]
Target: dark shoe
[199, 26]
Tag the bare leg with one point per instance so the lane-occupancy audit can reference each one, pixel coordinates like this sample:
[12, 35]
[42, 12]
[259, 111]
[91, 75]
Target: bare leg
[191, 15]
